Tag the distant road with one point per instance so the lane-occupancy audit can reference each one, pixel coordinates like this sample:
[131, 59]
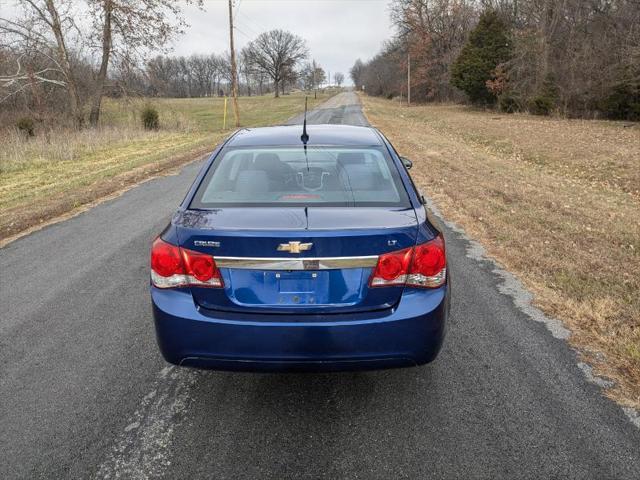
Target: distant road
[84, 392]
[343, 108]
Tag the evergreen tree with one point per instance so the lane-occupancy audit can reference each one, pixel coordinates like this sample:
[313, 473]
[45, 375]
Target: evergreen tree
[488, 46]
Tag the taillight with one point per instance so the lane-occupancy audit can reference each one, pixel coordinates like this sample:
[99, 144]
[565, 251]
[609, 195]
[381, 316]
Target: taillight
[424, 266]
[172, 266]
[392, 268]
[429, 264]
[200, 266]
[166, 260]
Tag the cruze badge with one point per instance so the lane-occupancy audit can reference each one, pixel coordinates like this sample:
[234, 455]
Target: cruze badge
[294, 247]
[206, 243]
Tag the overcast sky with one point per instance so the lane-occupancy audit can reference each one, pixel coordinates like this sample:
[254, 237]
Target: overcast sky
[337, 31]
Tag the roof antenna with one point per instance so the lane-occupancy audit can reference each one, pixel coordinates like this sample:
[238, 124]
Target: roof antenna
[305, 136]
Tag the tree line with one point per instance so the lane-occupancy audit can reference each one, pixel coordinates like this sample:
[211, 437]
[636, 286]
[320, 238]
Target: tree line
[569, 57]
[210, 75]
[49, 64]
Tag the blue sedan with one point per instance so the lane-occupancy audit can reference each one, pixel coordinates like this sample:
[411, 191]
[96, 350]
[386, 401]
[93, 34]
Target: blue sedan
[293, 252]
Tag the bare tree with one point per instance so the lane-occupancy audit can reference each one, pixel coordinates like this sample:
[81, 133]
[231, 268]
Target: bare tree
[25, 76]
[130, 28]
[578, 56]
[201, 74]
[289, 76]
[306, 76]
[319, 75]
[276, 53]
[254, 75]
[193, 76]
[432, 33]
[339, 78]
[384, 74]
[246, 70]
[313, 75]
[356, 73]
[44, 26]
[160, 72]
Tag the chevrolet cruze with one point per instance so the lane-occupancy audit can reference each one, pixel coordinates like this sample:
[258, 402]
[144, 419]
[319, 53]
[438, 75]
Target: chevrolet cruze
[301, 252]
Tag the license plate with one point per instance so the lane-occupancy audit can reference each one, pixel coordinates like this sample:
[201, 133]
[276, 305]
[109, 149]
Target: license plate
[301, 287]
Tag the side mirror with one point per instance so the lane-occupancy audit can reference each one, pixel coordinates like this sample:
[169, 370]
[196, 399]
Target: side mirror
[406, 162]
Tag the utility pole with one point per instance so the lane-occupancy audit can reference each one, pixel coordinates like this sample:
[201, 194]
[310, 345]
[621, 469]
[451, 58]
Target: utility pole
[315, 81]
[234, 73]
[408, 79]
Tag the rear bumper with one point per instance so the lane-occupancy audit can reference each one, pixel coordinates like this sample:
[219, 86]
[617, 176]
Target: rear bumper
[410, 334]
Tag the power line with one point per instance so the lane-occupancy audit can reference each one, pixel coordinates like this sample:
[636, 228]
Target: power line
[255, 23]
[244, 25]
[242, 33]
[237, 9]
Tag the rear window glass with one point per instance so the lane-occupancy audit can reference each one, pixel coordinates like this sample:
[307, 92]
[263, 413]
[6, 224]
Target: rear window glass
[286, 176]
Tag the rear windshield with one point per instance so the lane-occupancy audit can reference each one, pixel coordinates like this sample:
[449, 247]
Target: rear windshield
[287, 176]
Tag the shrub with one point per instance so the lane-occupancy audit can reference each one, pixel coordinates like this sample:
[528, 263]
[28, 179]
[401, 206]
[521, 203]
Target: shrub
[541, 105]
[623, 103]
[547, 99]
[26, 126]
[150, 118]
[508, 103]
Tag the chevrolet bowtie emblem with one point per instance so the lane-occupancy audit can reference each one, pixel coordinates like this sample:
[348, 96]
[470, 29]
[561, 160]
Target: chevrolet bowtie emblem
[294, 247]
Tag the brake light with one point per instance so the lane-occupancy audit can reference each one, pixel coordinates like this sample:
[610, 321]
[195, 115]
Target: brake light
[172, 267]
[200, 266]
[165, 259]
[429, 264]
[421, 266]
[392, 268]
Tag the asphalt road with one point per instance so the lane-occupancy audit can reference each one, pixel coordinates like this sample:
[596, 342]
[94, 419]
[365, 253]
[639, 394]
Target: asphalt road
[84, 392]
[343, 108]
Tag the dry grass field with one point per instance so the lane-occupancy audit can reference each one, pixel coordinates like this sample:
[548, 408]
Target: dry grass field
[60, 170]
[556, 201]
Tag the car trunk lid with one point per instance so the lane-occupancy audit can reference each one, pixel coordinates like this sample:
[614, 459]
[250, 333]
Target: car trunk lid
[307, 259]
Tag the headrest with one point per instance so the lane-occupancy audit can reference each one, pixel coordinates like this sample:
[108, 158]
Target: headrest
[266, 160]
[350, 158]
[358, 177]
[252, 181]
